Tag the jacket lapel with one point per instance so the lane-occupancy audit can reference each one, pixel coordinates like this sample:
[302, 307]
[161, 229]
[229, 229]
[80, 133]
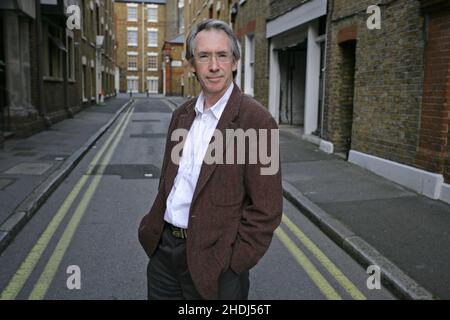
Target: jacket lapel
[185, 122]
[226, 121]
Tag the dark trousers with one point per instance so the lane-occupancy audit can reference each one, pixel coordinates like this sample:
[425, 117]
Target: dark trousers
[168, 276]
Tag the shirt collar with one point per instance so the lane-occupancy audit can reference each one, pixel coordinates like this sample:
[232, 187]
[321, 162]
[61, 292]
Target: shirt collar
[216, 109]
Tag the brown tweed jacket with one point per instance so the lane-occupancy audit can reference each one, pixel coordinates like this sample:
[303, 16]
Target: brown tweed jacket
[234, 210]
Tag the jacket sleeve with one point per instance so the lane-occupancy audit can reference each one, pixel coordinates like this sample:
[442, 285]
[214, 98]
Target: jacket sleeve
[263, 213]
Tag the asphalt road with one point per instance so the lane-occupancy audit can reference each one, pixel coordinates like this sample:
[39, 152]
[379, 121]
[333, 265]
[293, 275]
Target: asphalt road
[82, 243]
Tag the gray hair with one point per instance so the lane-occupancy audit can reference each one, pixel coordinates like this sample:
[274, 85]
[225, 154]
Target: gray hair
[208, 25]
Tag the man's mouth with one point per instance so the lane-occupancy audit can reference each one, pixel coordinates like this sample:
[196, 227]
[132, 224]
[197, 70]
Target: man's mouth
[214, 78]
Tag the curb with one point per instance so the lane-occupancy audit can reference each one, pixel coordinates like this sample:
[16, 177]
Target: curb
[23, 213]
[392, 277]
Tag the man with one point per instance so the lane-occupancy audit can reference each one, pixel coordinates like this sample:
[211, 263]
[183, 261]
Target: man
[211, 223]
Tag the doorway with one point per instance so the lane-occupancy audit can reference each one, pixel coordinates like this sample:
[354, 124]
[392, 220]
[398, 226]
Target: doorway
[348, 50]
[292, 62]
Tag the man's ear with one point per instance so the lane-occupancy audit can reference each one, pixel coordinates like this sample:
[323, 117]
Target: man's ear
[235, 65]
[192, 67]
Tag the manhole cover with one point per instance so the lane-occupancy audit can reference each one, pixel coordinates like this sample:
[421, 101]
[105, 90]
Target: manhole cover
[30, 168]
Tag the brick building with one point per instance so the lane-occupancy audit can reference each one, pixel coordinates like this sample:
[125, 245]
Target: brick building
[387, 91]
[173, 49]
[173, 66]
[50, 71]
[250, 28]
[140, 38]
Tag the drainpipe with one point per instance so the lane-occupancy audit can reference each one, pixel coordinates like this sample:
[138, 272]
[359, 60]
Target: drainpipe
[39, 66]
[143, 47]
[327, 33]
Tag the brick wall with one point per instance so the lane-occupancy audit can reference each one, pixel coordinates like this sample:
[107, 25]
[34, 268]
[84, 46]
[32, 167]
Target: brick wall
[251, 19]
[388, 79]
[279, 7]
[434, 149]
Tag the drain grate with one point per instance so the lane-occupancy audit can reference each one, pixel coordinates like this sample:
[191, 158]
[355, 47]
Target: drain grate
[129, 171]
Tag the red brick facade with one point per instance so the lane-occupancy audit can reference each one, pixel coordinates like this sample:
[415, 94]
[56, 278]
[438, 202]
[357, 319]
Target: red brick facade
[434, 149]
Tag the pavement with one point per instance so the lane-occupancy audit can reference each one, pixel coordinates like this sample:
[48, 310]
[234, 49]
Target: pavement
[374, 220]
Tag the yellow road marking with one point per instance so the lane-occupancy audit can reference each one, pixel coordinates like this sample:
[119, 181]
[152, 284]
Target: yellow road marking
[324, 260]
[42, 285]
[306, 264]
[23, 273]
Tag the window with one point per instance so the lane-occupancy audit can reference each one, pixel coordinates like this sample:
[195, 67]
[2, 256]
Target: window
[132, 13]
[53, 53]
[152, 37]
[132, 37]
[249, 64]
[132, 62]
[70, 59]
[93, 81]
[180, 16]
[132, 84]
[152, 61]
[83, 18]
[152, 13]
[97, 17]
[152, 84]
[83, 82]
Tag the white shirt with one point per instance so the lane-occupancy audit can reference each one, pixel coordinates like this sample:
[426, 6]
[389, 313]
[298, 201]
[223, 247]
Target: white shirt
[197, 142]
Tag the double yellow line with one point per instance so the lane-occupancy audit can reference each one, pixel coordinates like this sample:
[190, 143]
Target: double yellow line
[23, 273]
[322, 284]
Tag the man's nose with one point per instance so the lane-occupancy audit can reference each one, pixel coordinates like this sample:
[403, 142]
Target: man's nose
[213, 63]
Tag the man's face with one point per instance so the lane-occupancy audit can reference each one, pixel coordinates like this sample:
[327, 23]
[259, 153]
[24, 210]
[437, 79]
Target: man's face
[213, 61]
